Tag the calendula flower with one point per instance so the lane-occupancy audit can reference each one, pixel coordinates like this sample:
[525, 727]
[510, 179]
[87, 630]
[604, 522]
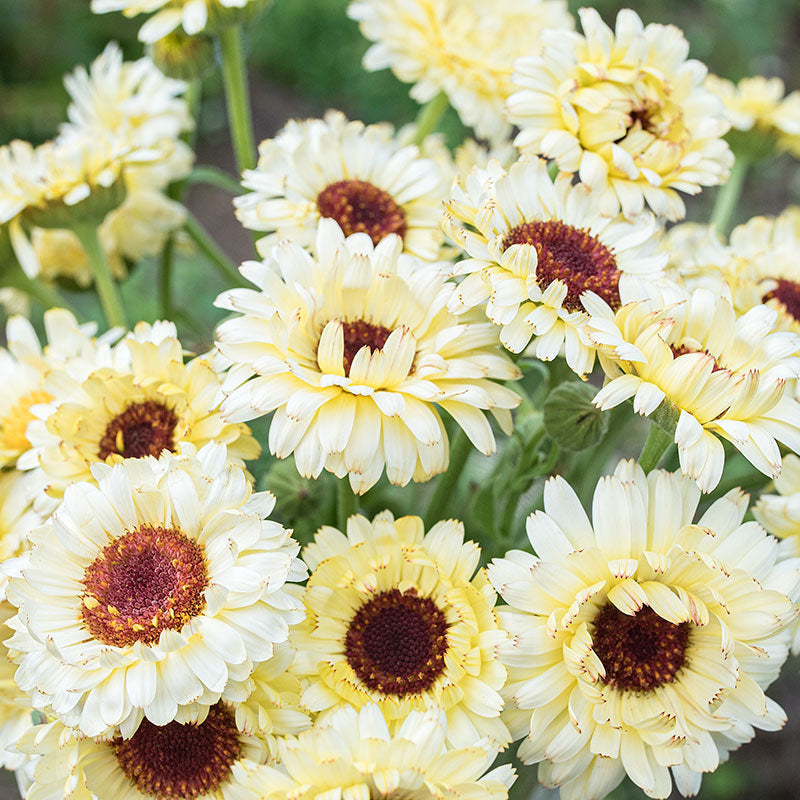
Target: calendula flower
[143, 400]
[357, 753]
[15, 705]
[364, 177]
[542, 254]
[194, 16]
[463, 48]
[699, 257]
[193, 761]
[400, 618]
[354, 350]
[758, 105]
[152, 593]
[641, 643]
[17, 516]
[625, 109]
[724, 374]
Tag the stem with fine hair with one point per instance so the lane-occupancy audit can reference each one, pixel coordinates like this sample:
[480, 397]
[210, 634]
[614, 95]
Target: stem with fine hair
[460, 448]
[658, 440]
[104, 283]
[212, 251]
[429, 117]
[237, 97]
[345, 503]
[728, 196]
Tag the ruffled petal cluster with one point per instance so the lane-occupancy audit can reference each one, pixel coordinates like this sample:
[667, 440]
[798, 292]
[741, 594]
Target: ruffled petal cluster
[641, 643]
[355, 351]
[626, 110]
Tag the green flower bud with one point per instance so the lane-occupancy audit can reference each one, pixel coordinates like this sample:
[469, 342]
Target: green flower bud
[571, 420]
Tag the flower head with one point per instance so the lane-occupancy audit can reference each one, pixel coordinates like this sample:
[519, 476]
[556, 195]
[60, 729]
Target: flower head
[399, 618]
[541, 253]
[363, 177]
[641, 642]
[354, 350]
[626, 110]
[152, 594]
[464, 48]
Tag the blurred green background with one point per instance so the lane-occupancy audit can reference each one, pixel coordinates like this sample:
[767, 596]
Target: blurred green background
[305, 56]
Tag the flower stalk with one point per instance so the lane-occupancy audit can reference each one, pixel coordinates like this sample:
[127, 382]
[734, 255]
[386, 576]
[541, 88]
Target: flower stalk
[105, 285]
[728, 196]
[429, 117]
[237, 97]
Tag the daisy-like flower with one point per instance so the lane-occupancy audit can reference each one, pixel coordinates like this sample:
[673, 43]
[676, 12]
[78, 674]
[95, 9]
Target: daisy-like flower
[354, 350]
[542, 253]
[464, 48]
[400, 618]
[626, 110]
[17, 517]
[758, 104]
[363, 177]
[152, 593]
[145, 399]
[724, 374]
[640, 642]
[193, 761]
[699, 257]
[193, 16]
[356, 754]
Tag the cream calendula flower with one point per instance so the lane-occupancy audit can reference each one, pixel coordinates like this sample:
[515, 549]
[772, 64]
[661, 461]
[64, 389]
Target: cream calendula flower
[463, 48]
[758, 104]
[15, 705]
[193, 16]
[625, 109]
[194, 761]
[400, 618]
[542, 254]
[699, 257]
[354, 350]
[144, 401]
[355, 754]
[641, 643]
[17, 517]
[724, 374]
[363, 177]
[152, 593]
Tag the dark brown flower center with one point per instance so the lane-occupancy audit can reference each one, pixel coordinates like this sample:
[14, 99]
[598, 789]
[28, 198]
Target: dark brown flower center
[571, 255]
[787, 293]
[358, 334]
[146, 581]
[361, 207]
[397, 641]
[682, 350]
[142, 429]
[180, 761]
[639, 652]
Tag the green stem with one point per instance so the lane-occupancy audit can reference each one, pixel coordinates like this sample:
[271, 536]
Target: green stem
[104, 283]
[460, 448]
[728, 196]
[194, 98]
[514, 496]
[658, 440]
[45, 295]
[345, 503]
[429, 116]
[165, 287]
[213, 176]
[234, 76]
[212, 251]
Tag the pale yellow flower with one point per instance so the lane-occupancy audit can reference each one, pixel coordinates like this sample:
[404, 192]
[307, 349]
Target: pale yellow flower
[626, 110]
[641, 643]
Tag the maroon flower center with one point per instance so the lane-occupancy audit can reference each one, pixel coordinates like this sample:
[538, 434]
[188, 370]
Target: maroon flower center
[787, 293]
[146, 581]
[358, 334]
[361, 207]
[396, 642]
[571, 255]
[142, 429]
[180, 761]
[682, 350]
[639, 652]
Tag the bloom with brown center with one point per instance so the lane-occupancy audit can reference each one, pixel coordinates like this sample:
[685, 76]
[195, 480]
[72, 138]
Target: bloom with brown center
[541, 256]
[140, 400]
[191, 761]
[356, 353]
[626, 110]
[364, 178]
[397, 617]
[633, 643]
[153, 593]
